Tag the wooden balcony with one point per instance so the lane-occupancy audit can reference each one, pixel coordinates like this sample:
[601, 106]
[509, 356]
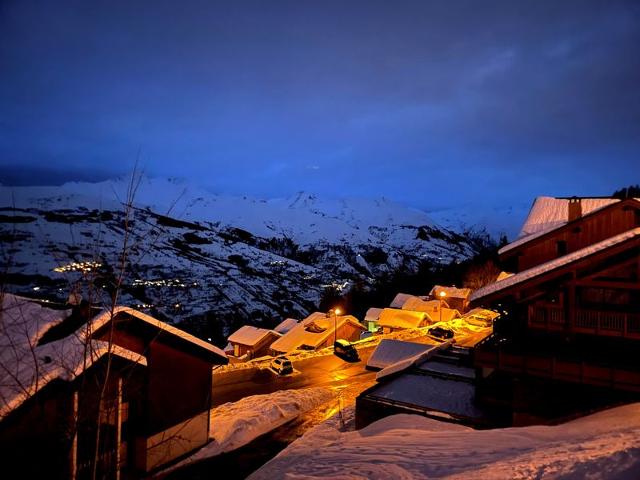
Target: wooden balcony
[616, 324]
[593, 322]
[492, 355]
[547, 317]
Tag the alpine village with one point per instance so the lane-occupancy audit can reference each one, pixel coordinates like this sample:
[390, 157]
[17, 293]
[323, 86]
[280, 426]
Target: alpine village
[551, 337]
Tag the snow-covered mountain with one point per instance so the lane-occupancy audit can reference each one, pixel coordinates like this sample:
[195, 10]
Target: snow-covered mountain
[191, 252]
[496, 220]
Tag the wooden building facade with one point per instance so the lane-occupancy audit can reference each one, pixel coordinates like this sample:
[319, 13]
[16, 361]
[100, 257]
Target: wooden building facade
[140, 386]
[571, 311]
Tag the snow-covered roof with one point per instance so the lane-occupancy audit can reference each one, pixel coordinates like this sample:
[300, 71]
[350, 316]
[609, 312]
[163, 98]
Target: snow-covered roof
[554, 264]
[548, 214]
[482, 313]
[503, 275]
[63, 359]
[30, 367]
[391, 351]
[399, 300]
[448, 314]
[286, 325]
[405, 364]
[397, 318]
[451, 396]
[103, 318]
[373, 314]
[22, 323]
[249, 335]
[452, 292]
[312, 331]
[417, 304]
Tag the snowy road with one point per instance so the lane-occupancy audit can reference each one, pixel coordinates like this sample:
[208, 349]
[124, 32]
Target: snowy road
[327, 370]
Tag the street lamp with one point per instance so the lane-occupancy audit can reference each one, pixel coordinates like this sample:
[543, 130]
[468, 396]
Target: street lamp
[336, 311]
[442, 294]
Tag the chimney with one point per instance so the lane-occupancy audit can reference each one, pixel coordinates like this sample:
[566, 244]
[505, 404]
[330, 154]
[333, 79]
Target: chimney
[575, 208]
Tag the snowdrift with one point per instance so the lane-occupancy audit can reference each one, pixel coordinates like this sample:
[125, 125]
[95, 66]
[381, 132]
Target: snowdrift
[605, 445]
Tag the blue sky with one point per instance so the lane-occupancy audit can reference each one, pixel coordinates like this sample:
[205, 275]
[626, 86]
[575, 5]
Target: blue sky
[428, 103]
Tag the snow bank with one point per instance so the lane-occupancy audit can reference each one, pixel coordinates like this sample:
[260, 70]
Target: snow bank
[235, 424]
[601, 446]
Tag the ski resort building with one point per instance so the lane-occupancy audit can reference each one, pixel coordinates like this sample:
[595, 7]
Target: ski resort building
[571, 309]
[139, 385]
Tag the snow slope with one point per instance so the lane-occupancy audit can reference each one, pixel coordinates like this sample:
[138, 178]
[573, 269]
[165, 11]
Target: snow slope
[192, 252]
[605, 445]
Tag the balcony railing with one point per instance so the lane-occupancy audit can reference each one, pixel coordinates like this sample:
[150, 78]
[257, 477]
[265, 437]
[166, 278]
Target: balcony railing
[608, 323]
[596, 322]
[547, 317]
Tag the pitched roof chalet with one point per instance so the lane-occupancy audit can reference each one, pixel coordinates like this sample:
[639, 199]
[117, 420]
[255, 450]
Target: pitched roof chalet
[554, 264]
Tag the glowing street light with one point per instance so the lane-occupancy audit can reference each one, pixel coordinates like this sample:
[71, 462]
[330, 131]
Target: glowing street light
[442, 294]
[336, 311]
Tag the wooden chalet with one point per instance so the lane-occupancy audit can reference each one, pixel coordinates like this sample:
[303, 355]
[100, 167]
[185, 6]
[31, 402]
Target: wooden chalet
[456, 298]
[252, 342]
[571, 309]
[138, 384]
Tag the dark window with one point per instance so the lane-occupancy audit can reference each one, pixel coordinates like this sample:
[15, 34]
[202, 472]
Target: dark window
[561, 247]
[637, 217]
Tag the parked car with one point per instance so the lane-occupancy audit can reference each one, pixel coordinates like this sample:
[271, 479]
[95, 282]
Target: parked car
[344, 349]
[440, 332]
[281, 365]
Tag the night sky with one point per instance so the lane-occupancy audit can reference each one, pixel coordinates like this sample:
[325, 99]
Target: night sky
[428, 103]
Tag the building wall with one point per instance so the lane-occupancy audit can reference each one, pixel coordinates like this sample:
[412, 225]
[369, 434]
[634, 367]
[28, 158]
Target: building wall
[35, 440]
[173, 442]
[459, 304]
[179, 386]
[258, 350]
[582, 233]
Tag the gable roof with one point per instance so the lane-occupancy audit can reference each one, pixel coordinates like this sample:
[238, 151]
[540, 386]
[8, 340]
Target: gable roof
[548, 214]
[554, 264]
[250, 336]
[28, 367]
[103, 318]
[64, 359]
[312, 331]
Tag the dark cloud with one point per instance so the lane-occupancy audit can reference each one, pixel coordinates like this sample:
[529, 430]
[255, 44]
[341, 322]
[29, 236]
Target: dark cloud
[504, 99]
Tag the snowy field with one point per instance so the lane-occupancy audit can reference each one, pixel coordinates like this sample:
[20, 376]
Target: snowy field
[605, 445]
